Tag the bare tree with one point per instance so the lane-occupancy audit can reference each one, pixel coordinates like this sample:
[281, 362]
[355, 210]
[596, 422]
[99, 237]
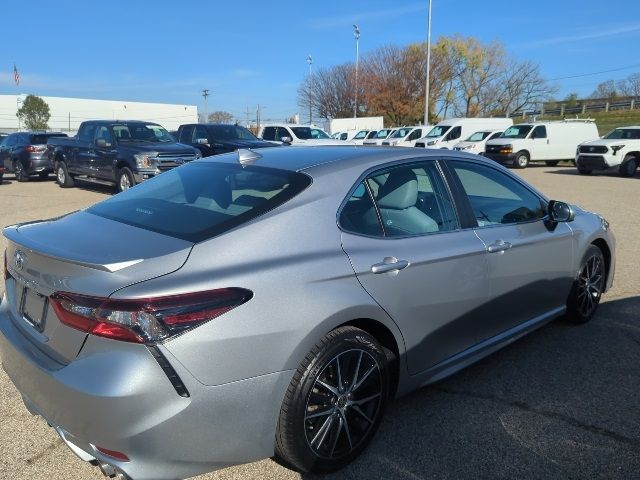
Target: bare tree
[518, 87]
[630, 86]
[605, 90]
[220, 117]
[331, 93]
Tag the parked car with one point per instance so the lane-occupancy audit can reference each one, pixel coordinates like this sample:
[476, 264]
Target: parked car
[23, 154]
[406, 136]
[476, 142]
[2, 137]
[550, 142]
[620, 148]
[379, 137]
[294, 134]
[362, 135]
[215, 138]
[273, 302]
[114, 152]
[448, 133]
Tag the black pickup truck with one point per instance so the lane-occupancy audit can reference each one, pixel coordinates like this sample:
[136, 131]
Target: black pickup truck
[120, 153]
[216, 138]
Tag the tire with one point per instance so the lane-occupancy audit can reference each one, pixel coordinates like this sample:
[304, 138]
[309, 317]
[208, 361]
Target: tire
[628, 166]
[19, 172]
[124, 180]
[62, 175]
[1, 178]
[584, 171]
[521, 160]
[552, 163]
[311, 434]
[587, 288]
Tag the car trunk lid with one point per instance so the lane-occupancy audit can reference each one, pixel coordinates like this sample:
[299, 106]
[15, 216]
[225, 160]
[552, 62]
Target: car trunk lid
[101, 257]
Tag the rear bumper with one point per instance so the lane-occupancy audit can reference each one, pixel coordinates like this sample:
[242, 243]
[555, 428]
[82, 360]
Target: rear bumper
[38, 164]
[115, 395]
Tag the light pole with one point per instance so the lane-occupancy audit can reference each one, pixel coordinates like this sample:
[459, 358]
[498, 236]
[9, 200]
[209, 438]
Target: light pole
[356, 34]
[18, 103]
[426, 97]
[205, 94]
[310, 61]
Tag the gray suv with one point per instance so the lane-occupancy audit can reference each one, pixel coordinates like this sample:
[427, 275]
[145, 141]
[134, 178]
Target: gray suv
[24, 154]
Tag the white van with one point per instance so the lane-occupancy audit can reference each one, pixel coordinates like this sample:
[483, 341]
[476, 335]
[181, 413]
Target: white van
[550, 142]
[448, 133]
[406, 136]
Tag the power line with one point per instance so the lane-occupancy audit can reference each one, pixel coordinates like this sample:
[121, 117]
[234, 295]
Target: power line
[637, 65]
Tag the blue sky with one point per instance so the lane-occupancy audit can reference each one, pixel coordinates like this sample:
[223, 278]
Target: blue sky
[254, 52]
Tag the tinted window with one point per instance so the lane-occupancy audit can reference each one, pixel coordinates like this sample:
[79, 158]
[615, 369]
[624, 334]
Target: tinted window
[359, 214]
[200, 132]
[230, 132]
[495, 197]
[269, 133]
[103, 133]
[86, 132]
[202, 199]
[454, 133]
[41, 138]
[416, 134]
[630, 133]
[186, 133]
[140, 132]
[539, 132]
[412, 200]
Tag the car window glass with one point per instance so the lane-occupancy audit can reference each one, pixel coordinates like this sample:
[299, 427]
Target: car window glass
[361, 134]
[86, 132]
[454, 133]
[269, 133]
[102, 132]
[539, 132]
[359, 214]
[415, 134]
[199, 132]
[495, 197]
[344, 136]
[412, 200]
[495, 135]
[283, 132]
[186, 133]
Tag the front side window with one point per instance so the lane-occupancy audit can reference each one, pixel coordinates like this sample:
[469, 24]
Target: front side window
[198, 133]
[517, 131]
[477, 137]
[269, 133]
[186, 133]
[416, 134]
[409, 200]
[317, 133]
[400, 133]
[103, 133]
[86, 132]
[382, 134]
[202, 199]
[454, 133]
[360, 135]
[539, 132]
[438, 131]
[496, 198]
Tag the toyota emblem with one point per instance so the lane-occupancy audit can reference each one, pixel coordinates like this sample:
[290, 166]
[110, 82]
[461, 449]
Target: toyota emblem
[591, 149]
[20, 259]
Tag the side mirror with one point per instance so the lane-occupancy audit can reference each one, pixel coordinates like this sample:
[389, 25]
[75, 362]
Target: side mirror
[286, 139]
[560, 211]
[202, 141]
[102, 143]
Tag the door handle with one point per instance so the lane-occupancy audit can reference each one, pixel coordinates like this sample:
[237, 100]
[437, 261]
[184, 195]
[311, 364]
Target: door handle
[389, 264]
[499, 246]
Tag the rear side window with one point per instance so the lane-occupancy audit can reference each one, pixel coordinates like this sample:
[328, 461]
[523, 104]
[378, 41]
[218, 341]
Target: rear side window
[202, 199]
[269, 133]
[41, 139]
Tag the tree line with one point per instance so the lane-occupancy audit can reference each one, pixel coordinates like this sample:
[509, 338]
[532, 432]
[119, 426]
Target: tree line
[468, 78]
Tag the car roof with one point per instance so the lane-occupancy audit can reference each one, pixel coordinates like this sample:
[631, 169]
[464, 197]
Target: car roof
[335, 158]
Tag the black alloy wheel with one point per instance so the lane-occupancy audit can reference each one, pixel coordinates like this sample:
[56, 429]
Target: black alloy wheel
[588, 287]
[334, 403]
[628, 166]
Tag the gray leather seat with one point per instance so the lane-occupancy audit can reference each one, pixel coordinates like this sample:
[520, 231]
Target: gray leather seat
[397, 200]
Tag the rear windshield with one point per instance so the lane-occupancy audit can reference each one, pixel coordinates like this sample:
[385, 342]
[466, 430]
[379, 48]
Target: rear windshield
[202, 199]
[41, 138]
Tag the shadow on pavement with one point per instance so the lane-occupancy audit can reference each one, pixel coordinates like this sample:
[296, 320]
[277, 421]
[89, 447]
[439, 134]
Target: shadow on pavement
[559, 403]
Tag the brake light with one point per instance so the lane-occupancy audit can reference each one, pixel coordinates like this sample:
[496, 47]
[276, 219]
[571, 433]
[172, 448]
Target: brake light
[30, 149]
[113, 454]
[146, 320]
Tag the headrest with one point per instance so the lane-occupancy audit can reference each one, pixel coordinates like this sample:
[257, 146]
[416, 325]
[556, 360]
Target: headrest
[400, 191]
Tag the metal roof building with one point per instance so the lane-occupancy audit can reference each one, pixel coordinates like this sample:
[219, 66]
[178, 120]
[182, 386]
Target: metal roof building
[68, 113]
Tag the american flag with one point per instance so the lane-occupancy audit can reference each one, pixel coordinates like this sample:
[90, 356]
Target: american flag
[16, 74]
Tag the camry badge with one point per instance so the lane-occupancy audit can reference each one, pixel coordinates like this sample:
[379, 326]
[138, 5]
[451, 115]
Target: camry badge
[20, 259]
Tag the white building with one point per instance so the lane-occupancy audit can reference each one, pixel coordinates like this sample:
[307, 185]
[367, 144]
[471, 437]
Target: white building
[68, 113]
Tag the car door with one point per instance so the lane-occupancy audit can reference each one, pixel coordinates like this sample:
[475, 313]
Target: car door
[103, 156]
[541, 148]
[81, 152]
[529, 258]
[5, 151]
[200, 139]
[404, 241]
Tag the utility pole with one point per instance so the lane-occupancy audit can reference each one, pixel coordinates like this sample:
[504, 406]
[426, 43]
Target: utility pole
[426, 98]
[205, 94]
[247, 112]
[310, 61]
[356, 34]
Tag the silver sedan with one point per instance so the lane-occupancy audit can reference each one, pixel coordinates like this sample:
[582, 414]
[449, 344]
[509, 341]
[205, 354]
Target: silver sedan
[254, 305]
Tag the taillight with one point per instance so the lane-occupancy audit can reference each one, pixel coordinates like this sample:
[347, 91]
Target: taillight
[146, 320]
[30, 149]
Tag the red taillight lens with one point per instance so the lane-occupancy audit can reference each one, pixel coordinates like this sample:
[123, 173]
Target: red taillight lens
[30, 149]
[145, 320]
[113, 454]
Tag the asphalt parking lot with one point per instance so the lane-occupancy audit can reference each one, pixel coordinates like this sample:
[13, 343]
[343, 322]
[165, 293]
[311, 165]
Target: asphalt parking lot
[561, 403]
